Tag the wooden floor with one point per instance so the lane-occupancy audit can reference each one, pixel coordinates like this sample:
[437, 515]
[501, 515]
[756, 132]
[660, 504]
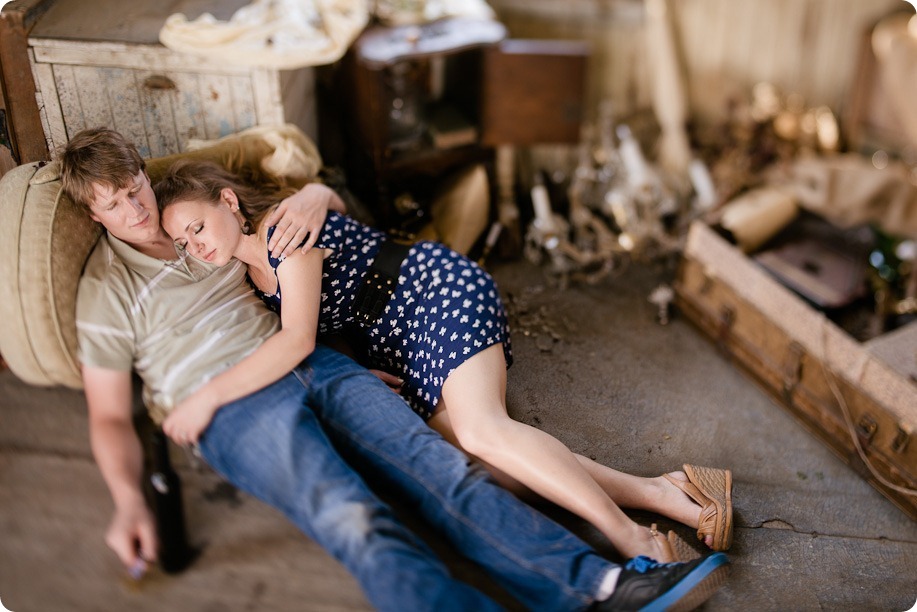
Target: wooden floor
[593, 368]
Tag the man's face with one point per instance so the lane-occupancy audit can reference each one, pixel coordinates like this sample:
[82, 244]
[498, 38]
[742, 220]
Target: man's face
[130, 213]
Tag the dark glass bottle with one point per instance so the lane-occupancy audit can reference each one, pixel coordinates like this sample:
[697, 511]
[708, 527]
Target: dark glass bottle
[884, 260]
[165, 493]
[894, 280]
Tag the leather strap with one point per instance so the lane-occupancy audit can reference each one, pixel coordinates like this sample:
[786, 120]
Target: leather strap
[379, 283]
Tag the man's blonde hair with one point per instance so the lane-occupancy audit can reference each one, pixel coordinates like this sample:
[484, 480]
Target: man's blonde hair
[98, 156]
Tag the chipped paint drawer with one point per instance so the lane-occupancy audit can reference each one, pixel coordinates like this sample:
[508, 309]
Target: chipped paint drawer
[859, 398]
[156, 97]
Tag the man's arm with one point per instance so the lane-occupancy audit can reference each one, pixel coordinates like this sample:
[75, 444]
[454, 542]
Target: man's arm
[119, 455]
[302, 213]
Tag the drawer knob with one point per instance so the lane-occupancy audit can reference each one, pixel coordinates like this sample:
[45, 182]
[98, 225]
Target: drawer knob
[158, 81]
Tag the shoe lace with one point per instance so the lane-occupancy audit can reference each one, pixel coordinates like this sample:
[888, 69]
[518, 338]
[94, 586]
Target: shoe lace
[643, 564]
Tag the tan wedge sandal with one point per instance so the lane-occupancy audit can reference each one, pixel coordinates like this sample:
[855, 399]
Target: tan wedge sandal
[674, 549]
[711, 488]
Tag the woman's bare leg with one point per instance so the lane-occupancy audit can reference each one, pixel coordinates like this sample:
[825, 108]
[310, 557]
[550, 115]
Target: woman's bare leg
[441, 423]
[627, 491]
[474, 397]
[652, 494]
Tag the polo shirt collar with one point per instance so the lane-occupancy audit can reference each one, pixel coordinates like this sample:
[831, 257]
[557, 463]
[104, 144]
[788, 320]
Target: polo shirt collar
[151, 266]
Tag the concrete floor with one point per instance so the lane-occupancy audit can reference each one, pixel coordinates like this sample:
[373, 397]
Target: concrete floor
[594, 369]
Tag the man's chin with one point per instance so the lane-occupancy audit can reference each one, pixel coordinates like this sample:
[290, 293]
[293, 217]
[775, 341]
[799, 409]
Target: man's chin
[137, 236]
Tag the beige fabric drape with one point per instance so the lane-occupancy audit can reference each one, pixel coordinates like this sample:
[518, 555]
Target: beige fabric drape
[279, 34]
[288, 34]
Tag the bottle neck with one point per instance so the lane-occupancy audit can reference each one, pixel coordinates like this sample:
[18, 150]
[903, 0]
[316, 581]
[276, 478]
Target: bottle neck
[160, 452]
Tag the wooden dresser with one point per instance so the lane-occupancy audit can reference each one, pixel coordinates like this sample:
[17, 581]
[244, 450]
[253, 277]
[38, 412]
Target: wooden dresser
[99, 63]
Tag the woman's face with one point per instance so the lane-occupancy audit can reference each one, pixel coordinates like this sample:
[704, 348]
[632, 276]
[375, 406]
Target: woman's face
[209, 232]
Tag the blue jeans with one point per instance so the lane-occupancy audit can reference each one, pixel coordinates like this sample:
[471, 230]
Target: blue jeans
[276, 444]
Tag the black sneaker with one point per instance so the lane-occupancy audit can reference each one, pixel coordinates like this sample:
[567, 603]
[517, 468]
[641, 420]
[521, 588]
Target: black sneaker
[649, 586]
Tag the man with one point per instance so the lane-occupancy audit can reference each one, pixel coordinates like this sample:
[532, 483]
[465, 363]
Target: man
[144, 306]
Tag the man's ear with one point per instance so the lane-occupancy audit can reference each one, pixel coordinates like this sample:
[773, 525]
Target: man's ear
[95, 218]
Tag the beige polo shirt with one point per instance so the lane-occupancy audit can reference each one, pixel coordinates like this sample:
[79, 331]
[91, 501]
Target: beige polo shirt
[177, 323]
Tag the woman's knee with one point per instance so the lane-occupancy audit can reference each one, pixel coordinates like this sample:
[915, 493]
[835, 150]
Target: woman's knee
[482, 438]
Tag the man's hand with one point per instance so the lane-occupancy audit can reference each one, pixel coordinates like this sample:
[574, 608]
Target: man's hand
[393, 382]
[117, 449]
[132, 535]
[300, 214]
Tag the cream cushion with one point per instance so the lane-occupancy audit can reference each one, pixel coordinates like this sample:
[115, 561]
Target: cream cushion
[45, 239]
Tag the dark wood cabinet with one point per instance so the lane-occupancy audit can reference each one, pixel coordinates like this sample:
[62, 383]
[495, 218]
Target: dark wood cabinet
[409, 105]
[402, 110]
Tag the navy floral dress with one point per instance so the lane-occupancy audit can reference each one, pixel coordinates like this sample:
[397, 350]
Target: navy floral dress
[444, 310]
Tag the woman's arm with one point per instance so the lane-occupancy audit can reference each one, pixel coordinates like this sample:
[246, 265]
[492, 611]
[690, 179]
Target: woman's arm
[300, 278]
[302, 213]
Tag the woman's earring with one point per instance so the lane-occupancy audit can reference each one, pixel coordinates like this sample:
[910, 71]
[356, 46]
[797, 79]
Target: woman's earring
[247, 227]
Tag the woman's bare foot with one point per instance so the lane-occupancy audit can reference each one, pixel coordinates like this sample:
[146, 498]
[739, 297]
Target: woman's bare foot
[647, 542]
[675, 503]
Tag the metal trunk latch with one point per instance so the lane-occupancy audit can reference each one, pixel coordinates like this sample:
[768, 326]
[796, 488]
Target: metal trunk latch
[724, 327]
[866, 429]
[899, 444]
[792, 371]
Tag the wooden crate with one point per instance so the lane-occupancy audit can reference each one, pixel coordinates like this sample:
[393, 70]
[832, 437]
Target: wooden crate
[99, 67]
[844, 392]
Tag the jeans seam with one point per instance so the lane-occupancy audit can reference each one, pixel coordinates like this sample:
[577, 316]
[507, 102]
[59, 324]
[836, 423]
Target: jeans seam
[567, 589]
[242, 479]
[297, 372]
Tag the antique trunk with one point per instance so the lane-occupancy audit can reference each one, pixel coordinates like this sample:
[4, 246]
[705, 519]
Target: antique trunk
[858, 398]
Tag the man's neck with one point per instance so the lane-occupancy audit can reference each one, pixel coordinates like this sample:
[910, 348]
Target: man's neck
[160, 247]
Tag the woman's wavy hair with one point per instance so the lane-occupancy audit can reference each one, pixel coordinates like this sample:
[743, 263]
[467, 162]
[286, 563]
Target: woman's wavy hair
[193, 179]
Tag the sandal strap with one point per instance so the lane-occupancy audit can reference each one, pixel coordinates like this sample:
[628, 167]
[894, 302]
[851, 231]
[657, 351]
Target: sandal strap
[669, 555]
[707, 523]
[713, 519]
[690, 490]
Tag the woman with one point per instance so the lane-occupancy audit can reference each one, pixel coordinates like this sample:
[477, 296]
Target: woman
[443, 331]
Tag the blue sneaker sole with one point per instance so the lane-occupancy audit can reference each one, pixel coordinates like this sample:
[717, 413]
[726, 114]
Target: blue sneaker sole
[695, 588]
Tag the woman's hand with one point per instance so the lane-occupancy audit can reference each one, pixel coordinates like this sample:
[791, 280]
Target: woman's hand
[393, 382]
[300, 214]
[190, 418]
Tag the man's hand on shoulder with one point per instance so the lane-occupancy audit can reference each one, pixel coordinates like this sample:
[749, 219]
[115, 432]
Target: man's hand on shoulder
[300, 214]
